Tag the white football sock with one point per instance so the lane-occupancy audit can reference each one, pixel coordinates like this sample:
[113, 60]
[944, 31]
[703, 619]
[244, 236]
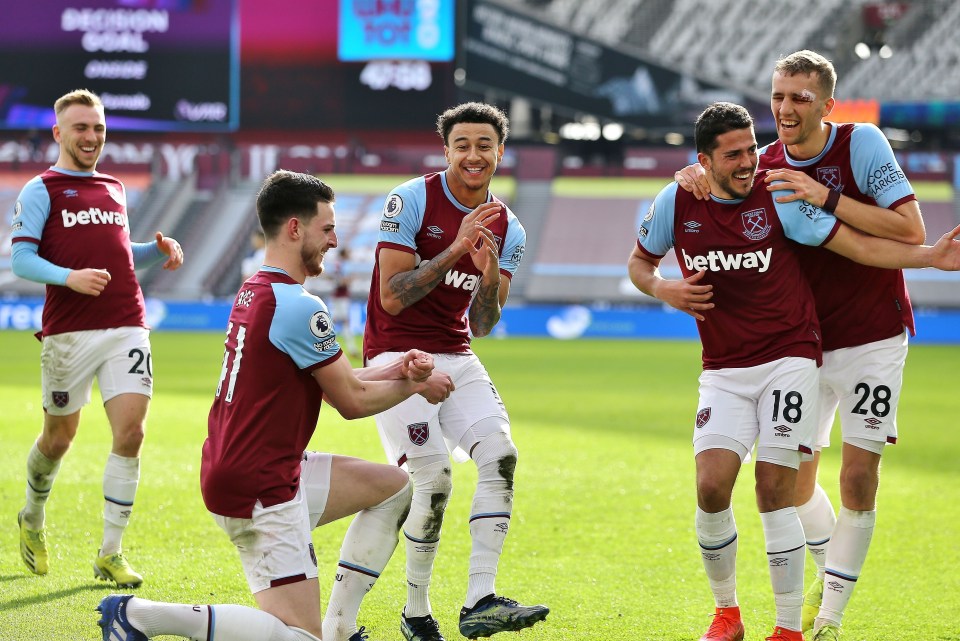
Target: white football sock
[496, 459]
[818, 520]
[209, 622]
[41, 472]
[367, 546]
[717, 535]
[120, 479]
[785, 542]
[845, 558]
[432, 485]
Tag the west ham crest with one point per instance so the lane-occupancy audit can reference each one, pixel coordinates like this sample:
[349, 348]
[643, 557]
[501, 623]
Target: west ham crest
[830, 176]
[60, 399]
[755, 224]
[418, 432]
[703, 417]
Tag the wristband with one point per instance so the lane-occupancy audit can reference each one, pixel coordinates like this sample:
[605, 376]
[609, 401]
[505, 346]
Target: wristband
[830, 204]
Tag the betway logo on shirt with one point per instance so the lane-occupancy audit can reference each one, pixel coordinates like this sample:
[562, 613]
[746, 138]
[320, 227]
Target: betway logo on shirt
[93, 216]
[467, 282]
[718, 261]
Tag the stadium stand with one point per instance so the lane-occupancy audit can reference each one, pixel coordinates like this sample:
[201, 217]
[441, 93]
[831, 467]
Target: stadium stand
[926, 52]
[688, 34]
[608, 21]
[213, 224]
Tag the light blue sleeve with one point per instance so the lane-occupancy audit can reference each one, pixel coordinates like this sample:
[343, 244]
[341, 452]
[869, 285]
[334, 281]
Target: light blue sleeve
[402, 213]
[146, 254]
[803, 222]
[302, 327]
[656, 229]
[875, 168]
[29, 218]
[513, 245]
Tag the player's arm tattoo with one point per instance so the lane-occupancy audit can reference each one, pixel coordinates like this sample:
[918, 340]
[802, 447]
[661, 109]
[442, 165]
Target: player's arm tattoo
[485, 308]
[409, 287]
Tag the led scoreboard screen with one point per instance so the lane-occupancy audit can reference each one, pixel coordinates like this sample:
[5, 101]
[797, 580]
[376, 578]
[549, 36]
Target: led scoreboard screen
[158, 65]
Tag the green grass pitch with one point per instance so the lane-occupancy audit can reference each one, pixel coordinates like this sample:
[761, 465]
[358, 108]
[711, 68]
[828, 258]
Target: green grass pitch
[603, 523]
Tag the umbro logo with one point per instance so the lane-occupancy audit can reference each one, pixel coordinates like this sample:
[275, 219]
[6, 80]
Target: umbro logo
[779, 562]
[692, 226]
[873, 423]
[434, 232]
[835, 586]
[783, 431]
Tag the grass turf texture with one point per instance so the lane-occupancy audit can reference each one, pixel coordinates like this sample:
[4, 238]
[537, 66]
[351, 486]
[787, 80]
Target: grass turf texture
[603, 523]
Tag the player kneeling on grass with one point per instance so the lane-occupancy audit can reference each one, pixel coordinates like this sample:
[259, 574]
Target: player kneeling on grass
[282, 358]
[761, 346]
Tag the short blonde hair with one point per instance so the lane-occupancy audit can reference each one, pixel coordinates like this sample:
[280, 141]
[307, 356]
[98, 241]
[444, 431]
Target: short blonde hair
[77, 97]
[807, 62]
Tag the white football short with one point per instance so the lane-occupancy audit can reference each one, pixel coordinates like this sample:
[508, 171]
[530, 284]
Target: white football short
[864, 383]
[772, 405]
[315, 471]
[415, 428]
[274, 544]
[119, 358]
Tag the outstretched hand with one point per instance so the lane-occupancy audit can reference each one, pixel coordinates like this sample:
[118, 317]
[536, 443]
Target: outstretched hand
[946, 253]
[686, 295]
[171, 248]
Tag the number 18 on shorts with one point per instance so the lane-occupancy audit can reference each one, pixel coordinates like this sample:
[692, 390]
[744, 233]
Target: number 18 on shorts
[773, 405]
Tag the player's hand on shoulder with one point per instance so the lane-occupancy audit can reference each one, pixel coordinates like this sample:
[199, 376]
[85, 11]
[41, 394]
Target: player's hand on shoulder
[417, 366]
[803, 186]
[437, 387]
[693, 178]
[171, 248]
[88, 281]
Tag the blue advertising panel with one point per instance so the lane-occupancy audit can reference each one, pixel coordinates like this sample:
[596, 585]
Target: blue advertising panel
[396, 30]
[562, 322]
